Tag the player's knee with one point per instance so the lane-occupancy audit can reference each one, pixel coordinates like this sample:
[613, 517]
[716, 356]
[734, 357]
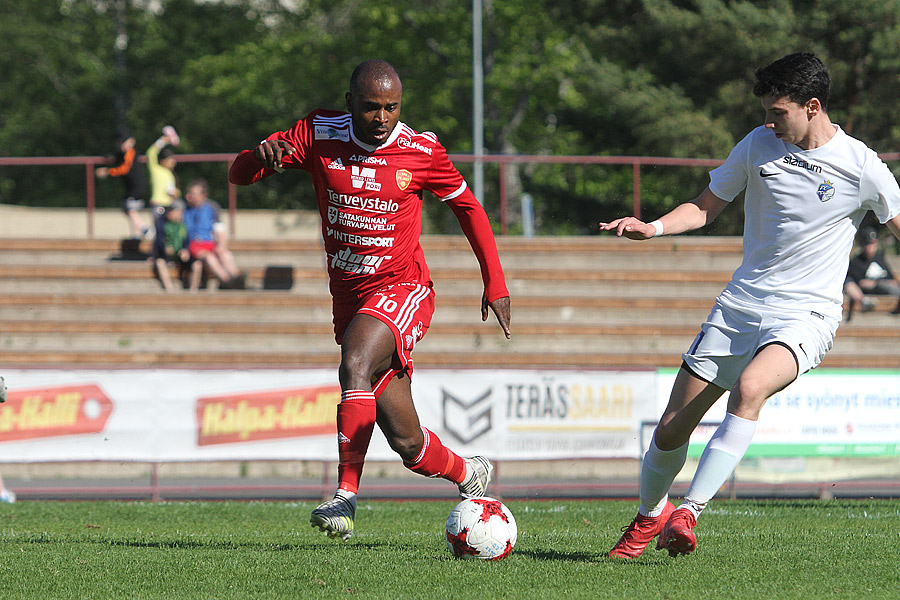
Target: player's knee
[669, 435]
[747, 398]
[355, 367]
[750, 390]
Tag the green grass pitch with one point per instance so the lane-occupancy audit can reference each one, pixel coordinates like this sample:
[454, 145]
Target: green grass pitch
[747, 549]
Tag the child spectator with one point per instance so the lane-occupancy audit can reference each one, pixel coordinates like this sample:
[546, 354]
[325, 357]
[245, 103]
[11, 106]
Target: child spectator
[172, 247]
[204, 232]
[123, 164]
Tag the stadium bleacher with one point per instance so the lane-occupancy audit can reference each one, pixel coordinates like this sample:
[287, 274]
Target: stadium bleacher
[582, 302]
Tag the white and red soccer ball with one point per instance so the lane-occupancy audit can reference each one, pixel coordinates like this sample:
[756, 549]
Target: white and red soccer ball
[481, 527]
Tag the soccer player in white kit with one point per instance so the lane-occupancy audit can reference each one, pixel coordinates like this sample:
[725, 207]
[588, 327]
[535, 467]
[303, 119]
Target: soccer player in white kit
[808, 185]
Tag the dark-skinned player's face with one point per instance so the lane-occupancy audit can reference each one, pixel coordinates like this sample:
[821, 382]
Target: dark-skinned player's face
[375, 108]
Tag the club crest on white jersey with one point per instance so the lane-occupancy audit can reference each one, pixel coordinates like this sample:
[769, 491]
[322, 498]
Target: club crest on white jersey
[825, 191]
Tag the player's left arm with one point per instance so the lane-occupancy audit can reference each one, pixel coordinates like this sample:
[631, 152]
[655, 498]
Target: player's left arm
[477, 228]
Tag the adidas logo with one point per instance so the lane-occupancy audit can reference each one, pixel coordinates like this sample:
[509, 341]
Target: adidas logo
[343, 439]
[336, 164]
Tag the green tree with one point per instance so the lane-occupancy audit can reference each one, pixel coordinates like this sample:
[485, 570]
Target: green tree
[594, 77]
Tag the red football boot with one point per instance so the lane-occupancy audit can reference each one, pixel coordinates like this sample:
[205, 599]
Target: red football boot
[678, 534]
[640, 533]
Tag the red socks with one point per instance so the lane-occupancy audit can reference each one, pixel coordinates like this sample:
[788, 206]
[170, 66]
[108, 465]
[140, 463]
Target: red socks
[355, 422]
[436, 460]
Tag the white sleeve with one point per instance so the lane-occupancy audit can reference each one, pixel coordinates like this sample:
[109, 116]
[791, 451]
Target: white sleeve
[730, 178]
[878, 190]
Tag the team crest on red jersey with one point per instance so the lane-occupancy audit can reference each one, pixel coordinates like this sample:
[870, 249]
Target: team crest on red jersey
[404, 178]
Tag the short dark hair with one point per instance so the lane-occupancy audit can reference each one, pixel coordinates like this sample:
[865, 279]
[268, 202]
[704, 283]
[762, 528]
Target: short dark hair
[199, 182]
[868, 235]
[165, 153]
[800, 77]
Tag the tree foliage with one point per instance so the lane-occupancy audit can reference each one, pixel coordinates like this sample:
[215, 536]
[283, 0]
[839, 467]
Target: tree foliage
[594, 77]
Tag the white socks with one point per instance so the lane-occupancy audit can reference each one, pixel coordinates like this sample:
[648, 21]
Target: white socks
[658, 471]
[722, 454]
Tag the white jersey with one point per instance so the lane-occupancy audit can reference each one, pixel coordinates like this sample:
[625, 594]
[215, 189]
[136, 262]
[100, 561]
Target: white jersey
[802, 209]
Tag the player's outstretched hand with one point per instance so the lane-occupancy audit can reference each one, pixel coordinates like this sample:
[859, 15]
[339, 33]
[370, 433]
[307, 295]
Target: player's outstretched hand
[500, 306]
[631, 227]
[272, 153]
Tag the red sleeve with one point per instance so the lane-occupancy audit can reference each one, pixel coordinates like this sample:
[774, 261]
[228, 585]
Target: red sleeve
[246, 169]
[445, 181]
[475, 224]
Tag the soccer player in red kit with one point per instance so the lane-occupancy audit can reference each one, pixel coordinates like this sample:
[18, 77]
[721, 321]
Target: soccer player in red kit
[369, 171]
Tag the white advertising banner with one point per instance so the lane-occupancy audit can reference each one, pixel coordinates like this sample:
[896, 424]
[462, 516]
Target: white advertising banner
[822, 413]
[528, 415]
[177, 415]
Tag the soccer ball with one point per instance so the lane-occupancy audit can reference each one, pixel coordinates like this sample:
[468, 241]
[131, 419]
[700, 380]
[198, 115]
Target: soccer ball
[481, 528]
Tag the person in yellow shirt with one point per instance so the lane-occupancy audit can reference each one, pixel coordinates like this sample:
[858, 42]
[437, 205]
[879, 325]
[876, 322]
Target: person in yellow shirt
[161, 162]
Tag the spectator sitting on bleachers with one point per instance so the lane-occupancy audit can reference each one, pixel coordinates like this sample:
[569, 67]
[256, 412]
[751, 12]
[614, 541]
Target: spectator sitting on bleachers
[172, 247]
[870, 274]
[204, 233]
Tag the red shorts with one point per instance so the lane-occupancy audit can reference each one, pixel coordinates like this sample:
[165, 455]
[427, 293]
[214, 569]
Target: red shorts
[197, 247]
[406, 308]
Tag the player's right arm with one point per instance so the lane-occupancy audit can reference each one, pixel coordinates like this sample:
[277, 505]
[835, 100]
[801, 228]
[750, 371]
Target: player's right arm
[691, 215]
[279, 151]
[266, 159]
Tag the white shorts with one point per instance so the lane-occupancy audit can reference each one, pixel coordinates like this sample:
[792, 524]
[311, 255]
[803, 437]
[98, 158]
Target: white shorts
[732, 335]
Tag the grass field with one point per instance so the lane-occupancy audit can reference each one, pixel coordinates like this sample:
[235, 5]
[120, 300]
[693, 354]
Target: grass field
[747, 549]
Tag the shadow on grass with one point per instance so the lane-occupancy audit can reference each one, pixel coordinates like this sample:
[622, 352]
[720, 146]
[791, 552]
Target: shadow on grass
[170, 544]
[559, 556]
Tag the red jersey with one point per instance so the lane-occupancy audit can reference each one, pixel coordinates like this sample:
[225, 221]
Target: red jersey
[370, 201]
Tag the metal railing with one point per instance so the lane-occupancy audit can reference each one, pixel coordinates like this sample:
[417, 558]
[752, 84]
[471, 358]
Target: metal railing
[503, 162]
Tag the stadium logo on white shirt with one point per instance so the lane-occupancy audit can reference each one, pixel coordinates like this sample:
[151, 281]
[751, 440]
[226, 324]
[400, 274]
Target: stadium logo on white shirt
[799, 162]
[825, 191]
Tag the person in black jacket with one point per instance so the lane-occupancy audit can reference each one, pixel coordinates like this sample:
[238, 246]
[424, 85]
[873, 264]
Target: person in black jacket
[123, 164]
[870, 274]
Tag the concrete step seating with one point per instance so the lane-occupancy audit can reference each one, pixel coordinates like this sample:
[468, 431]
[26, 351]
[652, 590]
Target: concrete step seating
[594, 302]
